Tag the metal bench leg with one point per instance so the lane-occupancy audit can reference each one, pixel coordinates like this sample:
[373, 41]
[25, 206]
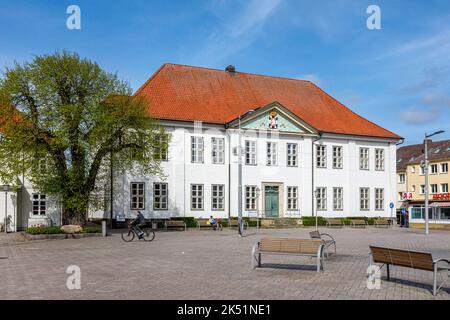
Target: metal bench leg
[435, 279]
[388, 273]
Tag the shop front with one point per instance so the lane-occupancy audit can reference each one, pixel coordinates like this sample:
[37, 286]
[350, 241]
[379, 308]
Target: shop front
[438, 212]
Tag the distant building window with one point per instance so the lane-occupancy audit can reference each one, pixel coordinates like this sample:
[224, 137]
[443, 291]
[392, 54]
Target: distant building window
[292, 198]
[379, 199]
[197, 197]
[444, 167]
[160, 196]
[218, 150]
[413, 188]
[337, 157]
[422, 189]
[338, 199]
[413, 169]
[292, 155]
[39, 204]
[422, 170]
[272, 154]
[379, 159]
[321, 156]
[137, 192]
[364, 199]
[434, 169]
[401, 178]
[250, 152]
[434, 188]
[364, 158]
[197, 149]
[444, 188]
[321, 198]
[217, 197]
[250, 197]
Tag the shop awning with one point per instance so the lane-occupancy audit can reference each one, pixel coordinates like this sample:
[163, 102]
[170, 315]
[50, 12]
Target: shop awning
[440, 204]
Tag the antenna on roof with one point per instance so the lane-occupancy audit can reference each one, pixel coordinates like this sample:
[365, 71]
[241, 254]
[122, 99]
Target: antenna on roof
[230, 68]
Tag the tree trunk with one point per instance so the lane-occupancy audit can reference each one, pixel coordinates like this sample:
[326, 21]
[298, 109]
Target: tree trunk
[74, 217]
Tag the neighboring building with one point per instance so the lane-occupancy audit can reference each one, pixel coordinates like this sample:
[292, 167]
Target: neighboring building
[409, 164]
[291, 133]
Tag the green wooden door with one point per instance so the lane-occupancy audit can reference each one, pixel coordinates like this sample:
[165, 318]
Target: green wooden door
[271, 201]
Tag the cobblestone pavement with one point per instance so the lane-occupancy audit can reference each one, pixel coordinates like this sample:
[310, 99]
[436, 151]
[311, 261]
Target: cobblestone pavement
[211, 265]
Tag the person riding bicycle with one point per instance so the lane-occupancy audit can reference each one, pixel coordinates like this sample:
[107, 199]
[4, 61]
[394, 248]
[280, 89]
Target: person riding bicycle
[138, 223]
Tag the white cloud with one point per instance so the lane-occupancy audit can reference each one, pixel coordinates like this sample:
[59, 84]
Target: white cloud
[437, 100]
[414, 115]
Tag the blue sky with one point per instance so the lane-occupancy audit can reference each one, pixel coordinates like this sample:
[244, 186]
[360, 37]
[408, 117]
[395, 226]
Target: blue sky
[397, 77]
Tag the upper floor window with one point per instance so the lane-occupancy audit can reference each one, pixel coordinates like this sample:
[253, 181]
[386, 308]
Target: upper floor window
[39, 204]
[292, 198]
[422, 170]
[364, 158]
[250, 152]
[217, 197]
[197, 149]
[401, 178]
[413, 169]
[337, 157]
[444, 187]
[379, 159]
[379, 199]
[422, 189]
[196, 196]
[272, 154]
[160, 196]
[161, 148]
[321, 198]
[218, 150]
[444, 167]
[434, 188]
[321, 156]
[364, 199]
[434, 169]
[292, 155]
[250, 197]
[137, 193]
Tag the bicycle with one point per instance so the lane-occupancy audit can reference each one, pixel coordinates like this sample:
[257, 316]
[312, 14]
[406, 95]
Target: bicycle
[128, 236]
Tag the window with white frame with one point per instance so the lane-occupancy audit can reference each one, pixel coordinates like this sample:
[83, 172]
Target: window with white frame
[413, 169]
[434, 188]
[444, 167]
[422, 171]
[413, 188]
[272, 154]
[422, 189]
[160, 196]
[250, 152]
[321, 198]
[197, 149]
[218, 150]
[364, 198]
[379, 199]
[337, 157]
[364, 158]
[137, 192]
[196, 196]
[434, 169]
[379, 159]
[401, 178]
[39, 204]
[444, 187]
[321, 156]
[161, 149]
[250, 197]
[292, 198]
[292, 155]
[218, 197]
[338, 199]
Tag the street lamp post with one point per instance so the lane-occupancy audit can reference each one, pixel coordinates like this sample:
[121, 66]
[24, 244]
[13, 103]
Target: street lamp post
[257, 207]
[6, 188]
[426, 169]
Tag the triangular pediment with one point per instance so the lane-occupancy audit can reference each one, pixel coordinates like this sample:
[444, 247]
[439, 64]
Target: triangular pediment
[273, 117]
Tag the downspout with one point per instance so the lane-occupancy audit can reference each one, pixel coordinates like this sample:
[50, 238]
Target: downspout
[229, 173]
[312, 177]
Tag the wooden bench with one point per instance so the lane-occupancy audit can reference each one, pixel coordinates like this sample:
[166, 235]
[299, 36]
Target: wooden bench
[358, 223]
[381, 223]
[233, 223]
[285, 246]
[409, 259]
[326, 239]
[203, 223]
[178, 224]
[334, 223]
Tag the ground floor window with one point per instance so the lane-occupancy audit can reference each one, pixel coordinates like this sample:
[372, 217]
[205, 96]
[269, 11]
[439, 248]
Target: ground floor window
[197, 197]
[39, 204]
[218, 197]
[137, 191]
[250, 197]
[292, 198]
[364, 199]
[379, 199]
[160, 196]
[338, 199]
[321, 198]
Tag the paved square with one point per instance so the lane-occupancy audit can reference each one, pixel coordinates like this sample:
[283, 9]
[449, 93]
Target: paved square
[211, 265]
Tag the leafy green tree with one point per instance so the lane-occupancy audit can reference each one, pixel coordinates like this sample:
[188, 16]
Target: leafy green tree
[63, 119]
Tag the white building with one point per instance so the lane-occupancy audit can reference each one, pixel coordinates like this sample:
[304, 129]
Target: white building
[296, 139]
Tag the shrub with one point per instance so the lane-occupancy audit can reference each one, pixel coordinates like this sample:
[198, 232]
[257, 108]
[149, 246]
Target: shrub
[92, 230]
[311, 221]
[44, 230]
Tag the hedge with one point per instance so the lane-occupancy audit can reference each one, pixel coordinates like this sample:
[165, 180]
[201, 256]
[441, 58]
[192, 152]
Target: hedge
[311, 221]
[44, 230]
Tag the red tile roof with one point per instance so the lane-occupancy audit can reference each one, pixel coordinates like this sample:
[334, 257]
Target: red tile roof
[186, 93]
[414, 154]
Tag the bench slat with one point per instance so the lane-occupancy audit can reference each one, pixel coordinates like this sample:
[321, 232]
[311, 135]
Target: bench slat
[301, 246]
[403, 258]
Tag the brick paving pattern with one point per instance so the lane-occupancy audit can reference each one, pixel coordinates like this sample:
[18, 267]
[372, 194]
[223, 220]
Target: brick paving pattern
[211, 265]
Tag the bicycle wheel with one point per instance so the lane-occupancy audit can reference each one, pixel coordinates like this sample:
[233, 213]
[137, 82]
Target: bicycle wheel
[128, 236]
[149, 235]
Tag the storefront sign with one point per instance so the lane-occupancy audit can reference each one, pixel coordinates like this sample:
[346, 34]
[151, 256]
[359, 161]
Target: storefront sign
[407, 195]
[441, 196]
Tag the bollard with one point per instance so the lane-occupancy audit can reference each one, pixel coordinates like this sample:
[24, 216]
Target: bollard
[104, 228]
